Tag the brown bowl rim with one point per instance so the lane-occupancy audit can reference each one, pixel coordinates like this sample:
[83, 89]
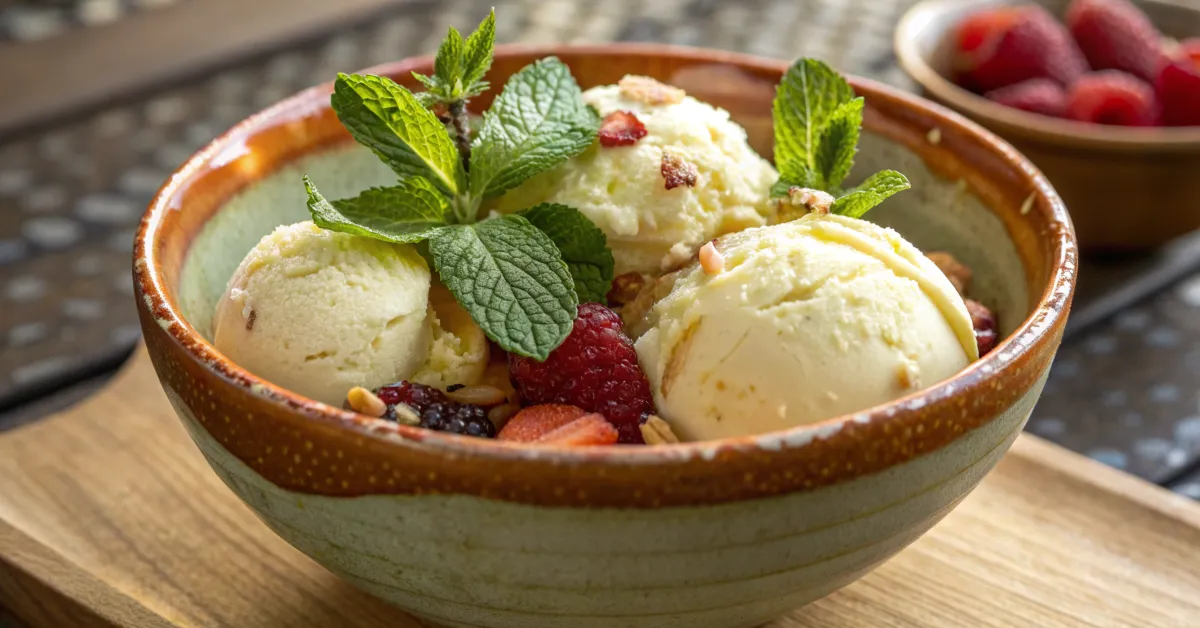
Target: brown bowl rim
[1033, 337]
[1025, 124]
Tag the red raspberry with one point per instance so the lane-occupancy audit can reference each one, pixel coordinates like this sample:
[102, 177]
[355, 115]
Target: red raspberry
[1178, 87]
[987, 330]
[1038, 95]
[595, 368]
[1113, 97]
[1018, 44]
[1116, 35]
[621, 128]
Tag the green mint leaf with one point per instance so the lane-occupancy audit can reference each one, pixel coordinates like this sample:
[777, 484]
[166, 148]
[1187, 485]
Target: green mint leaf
[389, 120]
[477, 55]
[408, 212]
[873, 191]
[511, 279]
[582, 245]
[838, 143]
[538, 121]
[428, 81]
[806, 97]
[447, 65]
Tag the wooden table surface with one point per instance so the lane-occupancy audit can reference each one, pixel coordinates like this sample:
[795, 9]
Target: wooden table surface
[110, 516]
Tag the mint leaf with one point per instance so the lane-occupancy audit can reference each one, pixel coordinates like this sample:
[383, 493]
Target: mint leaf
[447, 65]
[870, 193]
[408, 212]
[582, 245]
[511, 279]
[389, 120]
[477, 56]
[838, 143]
[536, 123]
[807, 95]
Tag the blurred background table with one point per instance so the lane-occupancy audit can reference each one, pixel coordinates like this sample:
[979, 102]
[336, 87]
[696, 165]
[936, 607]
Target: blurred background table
[104, 98]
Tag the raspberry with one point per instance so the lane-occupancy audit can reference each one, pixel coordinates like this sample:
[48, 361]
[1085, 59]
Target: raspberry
[987, 333]
[558, 424]
[1113, 97]
[1016, 45]
[1038, 95]
[1178, 87]
[621, 128]
[436, 411]
[1116, 35]
[595, 368]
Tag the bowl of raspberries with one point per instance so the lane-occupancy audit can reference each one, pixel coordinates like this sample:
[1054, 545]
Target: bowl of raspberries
[1102, 95]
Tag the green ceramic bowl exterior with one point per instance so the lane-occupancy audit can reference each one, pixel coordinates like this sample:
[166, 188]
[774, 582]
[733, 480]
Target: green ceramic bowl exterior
[728, 533]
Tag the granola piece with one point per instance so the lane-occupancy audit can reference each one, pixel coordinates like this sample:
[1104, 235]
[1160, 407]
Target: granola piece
[625, 288]
[955, 271]
[650, 91]
[633, 314]
[656, 431]
[677, 171]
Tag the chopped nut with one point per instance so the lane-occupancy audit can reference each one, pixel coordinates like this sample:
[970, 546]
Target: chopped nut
[406, 414]
[649, 91]
[500, 415]
[621, 128]
[801, 201]
[365, 402]
[479, 395]
[955, 271]
[656, 431]
[633, 314]
[677, 171]
[711, 259]
[909, 375]
[251, 318]
[934, 136]
[625, 288]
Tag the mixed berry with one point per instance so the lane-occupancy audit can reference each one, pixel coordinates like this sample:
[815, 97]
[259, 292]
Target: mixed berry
[434, 410]
[1106, 63]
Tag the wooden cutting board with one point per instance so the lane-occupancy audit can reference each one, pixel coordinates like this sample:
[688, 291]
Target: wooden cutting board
[109, 516]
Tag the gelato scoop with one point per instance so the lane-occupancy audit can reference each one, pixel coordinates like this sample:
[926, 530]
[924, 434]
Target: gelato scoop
[684, 179]
[801, 322]
[320, 312]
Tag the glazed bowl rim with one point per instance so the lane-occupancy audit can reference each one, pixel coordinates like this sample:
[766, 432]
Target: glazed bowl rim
[159, 300]
[907, 43]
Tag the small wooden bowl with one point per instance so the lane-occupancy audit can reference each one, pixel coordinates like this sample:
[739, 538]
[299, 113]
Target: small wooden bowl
[1127, 189]
[474, 532]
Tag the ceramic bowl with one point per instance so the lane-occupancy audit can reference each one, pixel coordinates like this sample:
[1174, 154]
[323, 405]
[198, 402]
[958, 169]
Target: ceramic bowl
[471, 532]
[1127, 189]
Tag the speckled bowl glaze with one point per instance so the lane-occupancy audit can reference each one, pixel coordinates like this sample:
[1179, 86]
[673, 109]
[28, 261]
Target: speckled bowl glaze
[469, 532]
[1128, 189]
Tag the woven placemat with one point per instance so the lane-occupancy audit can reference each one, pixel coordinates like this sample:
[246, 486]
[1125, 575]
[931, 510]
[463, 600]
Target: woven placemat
[1123, 393]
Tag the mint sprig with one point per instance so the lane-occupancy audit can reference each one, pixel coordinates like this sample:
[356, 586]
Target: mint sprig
[510, 277]
[581, 243]
[536, 123]
[387, 118]
[520, 277]
[817, 126]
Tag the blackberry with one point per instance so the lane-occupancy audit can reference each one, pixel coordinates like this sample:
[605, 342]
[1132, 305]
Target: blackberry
[436, 410]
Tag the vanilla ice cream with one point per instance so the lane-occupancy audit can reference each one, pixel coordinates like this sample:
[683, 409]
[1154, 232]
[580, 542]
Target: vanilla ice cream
[806, 320]
[319, 312]
[459, 352]
[622, 190]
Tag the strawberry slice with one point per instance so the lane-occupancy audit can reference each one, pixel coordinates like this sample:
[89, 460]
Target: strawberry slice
[621, 128]
[558, 424]
[590, 429]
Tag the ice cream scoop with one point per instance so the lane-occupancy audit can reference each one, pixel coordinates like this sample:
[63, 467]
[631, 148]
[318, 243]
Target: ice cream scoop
[684, 179]
[801, 322]
[459, 351]
[320, 312]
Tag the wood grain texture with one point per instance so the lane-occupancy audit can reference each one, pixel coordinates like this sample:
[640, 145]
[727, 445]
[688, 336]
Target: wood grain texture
[110, 514]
